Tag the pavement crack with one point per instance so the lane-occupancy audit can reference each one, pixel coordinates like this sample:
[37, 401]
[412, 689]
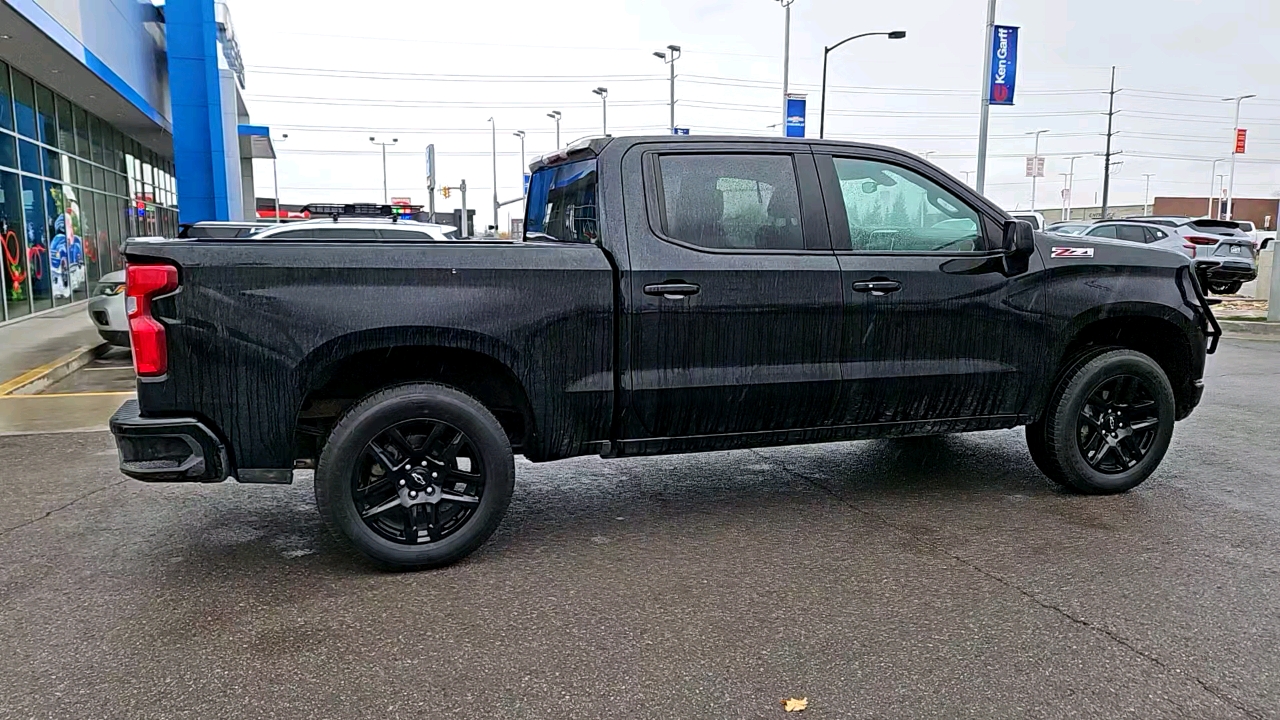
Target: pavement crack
[1120, 640]
[63, 507]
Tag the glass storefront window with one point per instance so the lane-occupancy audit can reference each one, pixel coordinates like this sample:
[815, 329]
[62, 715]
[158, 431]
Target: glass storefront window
[82, 131]
[66, 247]
[33, 209]
[46, 116]
[99, 179]
[13, 253]
[102, 215]
[6, 99]
[29, 156]
[52, 164]
[8, 151]
[95, 138]
[66, 126]
[24, 104]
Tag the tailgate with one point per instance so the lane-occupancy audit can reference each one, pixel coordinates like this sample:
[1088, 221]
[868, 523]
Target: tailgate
[1233, 247]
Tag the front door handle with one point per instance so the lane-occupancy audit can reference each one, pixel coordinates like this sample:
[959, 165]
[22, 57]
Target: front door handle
[877, 287]
[672, 290]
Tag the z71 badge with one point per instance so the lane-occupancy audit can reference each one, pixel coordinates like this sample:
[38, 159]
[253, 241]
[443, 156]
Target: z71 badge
[1072, 252]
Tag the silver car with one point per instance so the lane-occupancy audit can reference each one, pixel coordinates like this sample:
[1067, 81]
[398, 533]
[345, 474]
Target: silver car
[106, 309]
[1219, 241]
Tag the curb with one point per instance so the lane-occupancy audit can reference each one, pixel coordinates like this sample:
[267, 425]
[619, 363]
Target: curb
[33, 381]
[1250, 328]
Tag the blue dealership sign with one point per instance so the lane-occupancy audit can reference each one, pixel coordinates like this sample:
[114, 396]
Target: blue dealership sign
[1004, 64]
[680, 131]
[795, 115]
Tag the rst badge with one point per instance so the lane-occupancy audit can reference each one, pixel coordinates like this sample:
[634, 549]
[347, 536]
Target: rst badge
[1072, 252]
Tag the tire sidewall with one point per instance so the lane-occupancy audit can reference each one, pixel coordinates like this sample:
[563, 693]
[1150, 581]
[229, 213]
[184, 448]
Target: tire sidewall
[364, 421]
[1066, 420]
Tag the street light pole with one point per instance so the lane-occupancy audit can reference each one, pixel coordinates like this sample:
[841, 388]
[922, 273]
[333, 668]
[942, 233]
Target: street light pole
[1231, 182]
[555, 115]
[670, 59]
[275, 178]
[603, 92]
[822, 118]
[494, 156]
[384, 145]
[1212, 177]
[966, 174]
[786, 61]
[1066, 193]
[1071, 182]
[1035, 166]
[520, 134]
[1146, 193]
[984, 114]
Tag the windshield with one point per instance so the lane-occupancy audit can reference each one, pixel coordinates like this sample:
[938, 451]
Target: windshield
[562, 203]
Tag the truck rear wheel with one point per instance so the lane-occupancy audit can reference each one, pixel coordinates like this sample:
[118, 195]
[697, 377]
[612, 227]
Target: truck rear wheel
[1107, 425]
[416, 475]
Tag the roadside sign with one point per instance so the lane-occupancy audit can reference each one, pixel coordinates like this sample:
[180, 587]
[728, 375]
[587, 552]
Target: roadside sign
[680, 131]
[795, 115]
[1004, 65]
[1240, 141]
[1035, 166]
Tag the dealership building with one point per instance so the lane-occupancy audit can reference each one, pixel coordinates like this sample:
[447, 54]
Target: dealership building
[110, 112]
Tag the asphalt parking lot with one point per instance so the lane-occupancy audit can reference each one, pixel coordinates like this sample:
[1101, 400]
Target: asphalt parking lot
[938, 577]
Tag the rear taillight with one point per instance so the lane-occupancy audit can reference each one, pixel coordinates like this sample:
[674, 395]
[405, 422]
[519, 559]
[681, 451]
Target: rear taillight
[1201, 240]
[1190, 247]
[142, 283]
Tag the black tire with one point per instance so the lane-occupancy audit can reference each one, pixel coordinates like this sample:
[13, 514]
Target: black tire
[1226, 288]
[345, 459]
[1129, 450]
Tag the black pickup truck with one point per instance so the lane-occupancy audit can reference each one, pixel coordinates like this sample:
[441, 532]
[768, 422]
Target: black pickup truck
[669, 295]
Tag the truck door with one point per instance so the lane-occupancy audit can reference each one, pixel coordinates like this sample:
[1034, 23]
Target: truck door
[735, 301]
[934, 329]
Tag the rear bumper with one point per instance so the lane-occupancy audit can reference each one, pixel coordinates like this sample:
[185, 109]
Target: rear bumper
[1231, 272]
[167, 449]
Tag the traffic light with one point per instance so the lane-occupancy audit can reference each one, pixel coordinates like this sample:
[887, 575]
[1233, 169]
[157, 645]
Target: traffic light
[445, 190]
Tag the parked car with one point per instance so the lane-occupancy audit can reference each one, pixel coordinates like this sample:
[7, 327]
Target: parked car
[1034, 218]
[1068, 227]
[1229, 249]
[670, 295]
[107, 311]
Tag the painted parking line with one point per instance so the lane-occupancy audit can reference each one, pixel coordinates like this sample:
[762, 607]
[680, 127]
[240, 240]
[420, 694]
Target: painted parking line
[87, 393]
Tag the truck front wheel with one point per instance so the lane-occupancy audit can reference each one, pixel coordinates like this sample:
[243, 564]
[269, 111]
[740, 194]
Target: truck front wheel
[1107, 425]
[416, 475]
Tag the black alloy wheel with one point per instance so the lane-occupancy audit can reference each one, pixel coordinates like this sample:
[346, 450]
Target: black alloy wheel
[1118, 424]
[420, 481]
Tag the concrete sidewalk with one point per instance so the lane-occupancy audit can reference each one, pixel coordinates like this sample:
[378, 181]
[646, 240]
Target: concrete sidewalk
[35, 342]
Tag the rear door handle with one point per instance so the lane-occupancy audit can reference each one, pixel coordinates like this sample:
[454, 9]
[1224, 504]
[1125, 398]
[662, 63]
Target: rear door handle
[672, 291]
[877, 287]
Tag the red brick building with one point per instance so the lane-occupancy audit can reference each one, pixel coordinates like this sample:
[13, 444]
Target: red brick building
[1262, 211]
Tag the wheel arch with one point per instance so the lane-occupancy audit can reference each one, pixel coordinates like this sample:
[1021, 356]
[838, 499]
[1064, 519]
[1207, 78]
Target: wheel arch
[343, 370]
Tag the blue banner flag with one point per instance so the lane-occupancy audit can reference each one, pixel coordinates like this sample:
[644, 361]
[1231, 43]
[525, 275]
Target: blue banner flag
[1004, 64]
[795, 115]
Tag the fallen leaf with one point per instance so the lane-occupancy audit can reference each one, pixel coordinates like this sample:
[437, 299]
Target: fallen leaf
[795, 704]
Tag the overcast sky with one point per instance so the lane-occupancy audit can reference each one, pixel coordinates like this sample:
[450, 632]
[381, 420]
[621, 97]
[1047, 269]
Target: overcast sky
[330, 74]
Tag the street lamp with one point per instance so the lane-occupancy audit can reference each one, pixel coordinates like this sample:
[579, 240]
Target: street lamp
[1071, 184]
[384, 145]
[555, 115]
[822, 119]
[1231, 183]
[671, 61]
[493, 155]
[520, 134]
[927, 153]
[1035, 166]
[1146, 193]
[604, 109]
[275, 178]
[786, 60]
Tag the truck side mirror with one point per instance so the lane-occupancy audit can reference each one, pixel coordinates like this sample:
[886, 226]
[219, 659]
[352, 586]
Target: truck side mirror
[1019, 238]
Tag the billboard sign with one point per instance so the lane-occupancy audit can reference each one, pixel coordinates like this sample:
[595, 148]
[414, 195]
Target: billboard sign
[1240, 141]
[1035, 166]
[795, 115]
[1004, 65]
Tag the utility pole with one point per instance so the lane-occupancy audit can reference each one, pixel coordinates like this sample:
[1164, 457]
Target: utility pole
[603, 92]
[1035, 166]
[555, 115]
[984, 116]
[1106, 160]
[494, 156]
[384, 145]
[1231, 183]
[1146, 193]
[670, 59]
[786, 61]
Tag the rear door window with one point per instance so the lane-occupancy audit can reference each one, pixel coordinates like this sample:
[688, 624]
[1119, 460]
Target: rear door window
[1131, 233]
[1106, 231]
[731, 202]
